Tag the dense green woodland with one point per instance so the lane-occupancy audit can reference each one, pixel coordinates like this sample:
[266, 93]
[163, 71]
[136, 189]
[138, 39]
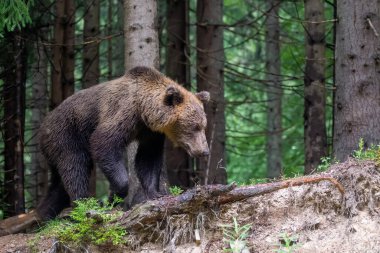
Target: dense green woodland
[246, 122]
[29, 29]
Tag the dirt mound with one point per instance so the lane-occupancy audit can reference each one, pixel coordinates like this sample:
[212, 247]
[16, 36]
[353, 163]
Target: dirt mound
[317, 215]
[311, 218]
[306, 218]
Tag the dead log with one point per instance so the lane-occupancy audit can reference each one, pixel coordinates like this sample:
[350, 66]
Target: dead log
[18, 223]
[25, 221]
[190, 202]
[201, 197]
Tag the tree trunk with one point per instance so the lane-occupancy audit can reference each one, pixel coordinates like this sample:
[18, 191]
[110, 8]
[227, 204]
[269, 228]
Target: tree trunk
[314, 90]
[38, 179]
[56, 72]
[141, 49]
[68, 57]
[178, 163]
[141, 36]
[274, 90]
[119, 46]
[91, 47]
[357, 67]
[210, 72]
[63, 52]
[109, 45]
[91, 61]
[39, 108]
[14, 121]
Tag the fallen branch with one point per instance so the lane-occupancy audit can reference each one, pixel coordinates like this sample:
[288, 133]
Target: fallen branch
[260, 189]
[199, 198]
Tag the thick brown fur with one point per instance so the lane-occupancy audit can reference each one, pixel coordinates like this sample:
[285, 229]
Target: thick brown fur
[96, 124]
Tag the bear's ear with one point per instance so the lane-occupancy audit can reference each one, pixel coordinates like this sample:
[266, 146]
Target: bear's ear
[203, 96]
[173, 96]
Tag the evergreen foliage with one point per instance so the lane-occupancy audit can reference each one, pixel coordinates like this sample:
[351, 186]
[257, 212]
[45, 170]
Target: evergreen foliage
[14, 14]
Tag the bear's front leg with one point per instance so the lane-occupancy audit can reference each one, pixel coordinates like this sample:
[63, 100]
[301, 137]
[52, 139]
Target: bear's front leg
[149, 161]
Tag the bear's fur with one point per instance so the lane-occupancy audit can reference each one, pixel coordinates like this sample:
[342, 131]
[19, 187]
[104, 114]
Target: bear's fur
[96, 124]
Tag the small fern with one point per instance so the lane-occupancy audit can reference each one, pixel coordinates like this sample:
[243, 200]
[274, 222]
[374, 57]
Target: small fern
[236, 236]
[175, 190]
[288, 243]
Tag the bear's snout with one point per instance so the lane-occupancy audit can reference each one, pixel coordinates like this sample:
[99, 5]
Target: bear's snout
[197, 146]
[203, 153]
[206, 153]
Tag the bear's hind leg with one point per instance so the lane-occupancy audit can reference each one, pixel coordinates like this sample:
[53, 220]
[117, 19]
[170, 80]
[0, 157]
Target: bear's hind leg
[55, 200]
[75, 169]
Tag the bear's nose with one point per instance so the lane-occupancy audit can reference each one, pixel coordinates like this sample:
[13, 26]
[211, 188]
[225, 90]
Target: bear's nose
[205, 153]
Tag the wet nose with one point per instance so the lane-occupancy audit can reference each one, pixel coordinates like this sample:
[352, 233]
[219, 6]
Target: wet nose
[205, 153]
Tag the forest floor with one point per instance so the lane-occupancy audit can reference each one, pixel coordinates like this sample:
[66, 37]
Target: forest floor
[306, 218]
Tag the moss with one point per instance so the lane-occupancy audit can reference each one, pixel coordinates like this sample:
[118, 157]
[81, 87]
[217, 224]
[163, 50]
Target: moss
[88, 223]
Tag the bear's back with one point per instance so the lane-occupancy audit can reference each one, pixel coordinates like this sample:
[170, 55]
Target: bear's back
[80, 114]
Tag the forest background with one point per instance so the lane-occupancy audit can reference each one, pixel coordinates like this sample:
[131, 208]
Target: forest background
[279, 84]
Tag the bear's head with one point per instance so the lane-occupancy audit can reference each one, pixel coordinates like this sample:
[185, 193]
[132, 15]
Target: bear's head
[167, 107]
[187, 127]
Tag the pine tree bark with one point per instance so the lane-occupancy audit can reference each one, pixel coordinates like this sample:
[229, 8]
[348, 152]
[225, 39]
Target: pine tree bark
[63, 62]
[38, 180]
[91, 47]
[91, 60]
[39, 108]
[357, 68]
[119, 42]
[210, 72]
[56, 96]
[315, 137]
[141, 36]
[274, 90]
[68, 57]
[179, 165]
[109, 45]
[14, 122]
[141, 49]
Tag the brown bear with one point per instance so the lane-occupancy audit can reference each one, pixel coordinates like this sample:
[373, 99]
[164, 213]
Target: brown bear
[95, 125]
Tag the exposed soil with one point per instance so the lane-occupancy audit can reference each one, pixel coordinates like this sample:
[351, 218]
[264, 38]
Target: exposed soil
[317, 216]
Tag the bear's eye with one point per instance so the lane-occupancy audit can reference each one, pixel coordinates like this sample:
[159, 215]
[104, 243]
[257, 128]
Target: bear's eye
[197, 128]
